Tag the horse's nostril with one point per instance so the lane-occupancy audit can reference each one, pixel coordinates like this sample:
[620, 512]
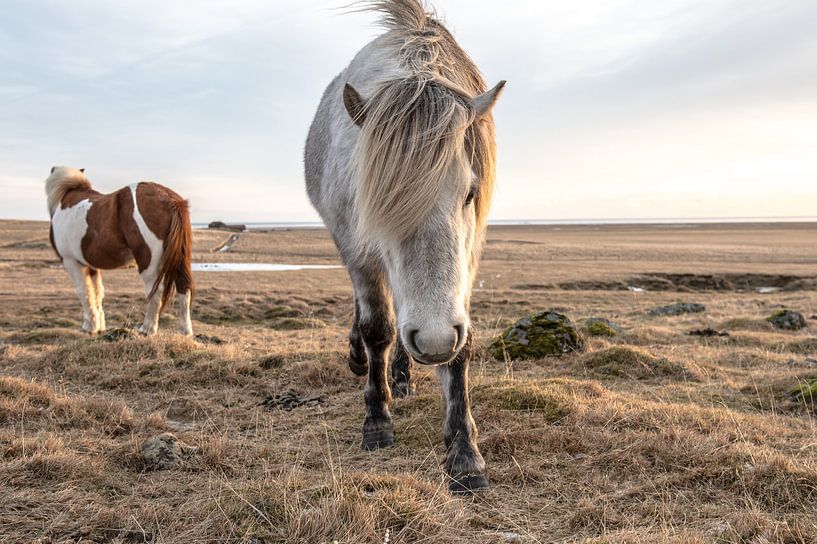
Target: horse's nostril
[411, 341]
[459, 335]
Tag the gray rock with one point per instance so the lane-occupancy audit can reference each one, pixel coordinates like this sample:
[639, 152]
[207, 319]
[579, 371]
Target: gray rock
[679, 308]
[164, 451]
[787, 320]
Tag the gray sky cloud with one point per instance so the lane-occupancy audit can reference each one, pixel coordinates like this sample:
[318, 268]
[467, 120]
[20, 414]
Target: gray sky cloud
[613, 109]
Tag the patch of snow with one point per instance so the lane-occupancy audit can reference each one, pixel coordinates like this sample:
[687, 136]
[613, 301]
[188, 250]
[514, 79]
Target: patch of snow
[258, 267]
[766, 290]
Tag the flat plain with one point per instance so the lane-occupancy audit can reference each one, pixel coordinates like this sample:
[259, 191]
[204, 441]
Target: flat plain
[650, 436]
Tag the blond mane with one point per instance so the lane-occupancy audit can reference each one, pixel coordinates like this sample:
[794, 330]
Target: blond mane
[418, 125]
[62, 180]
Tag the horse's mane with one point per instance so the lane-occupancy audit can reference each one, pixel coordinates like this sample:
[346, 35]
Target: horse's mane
[418, 124]
[60, 182]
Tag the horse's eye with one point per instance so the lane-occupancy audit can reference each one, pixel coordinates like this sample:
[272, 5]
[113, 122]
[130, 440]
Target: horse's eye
[470, 198]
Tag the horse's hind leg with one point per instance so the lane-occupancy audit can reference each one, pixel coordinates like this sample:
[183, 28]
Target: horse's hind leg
[151, 323]
[401, 365]
[463, 461]
[85, 290]
[185, 323]
[376, 326]
[99, 295]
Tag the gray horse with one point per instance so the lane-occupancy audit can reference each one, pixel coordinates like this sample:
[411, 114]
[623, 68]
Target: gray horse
[400, 163]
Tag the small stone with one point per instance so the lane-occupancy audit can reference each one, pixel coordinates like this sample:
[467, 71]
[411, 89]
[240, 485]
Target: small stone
[545, 334]
[787, 320]
[164, 451]
[114, 335]
[512, 538]
[273, 361]
[679, 308]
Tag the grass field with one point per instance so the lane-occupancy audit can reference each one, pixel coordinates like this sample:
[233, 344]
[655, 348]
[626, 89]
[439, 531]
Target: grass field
[651, 436]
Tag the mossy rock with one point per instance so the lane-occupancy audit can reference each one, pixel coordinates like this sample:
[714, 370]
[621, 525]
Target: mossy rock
[547, 334]
[633, 363]
[805, 391]
[599, 326]
[787, 320]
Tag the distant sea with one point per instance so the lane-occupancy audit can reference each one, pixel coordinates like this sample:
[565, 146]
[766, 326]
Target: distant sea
[272, 225]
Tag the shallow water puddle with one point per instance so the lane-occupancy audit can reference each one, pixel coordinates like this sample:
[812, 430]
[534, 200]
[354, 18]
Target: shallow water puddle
[258, 267]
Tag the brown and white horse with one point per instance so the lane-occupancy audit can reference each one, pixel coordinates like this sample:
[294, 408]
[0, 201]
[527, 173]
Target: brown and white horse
[144, 222]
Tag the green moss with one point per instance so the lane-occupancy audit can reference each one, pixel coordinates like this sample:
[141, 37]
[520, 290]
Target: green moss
[546, 400]
[597, 326]
[295, 323]
[805, 391]
[546, 334]
[600, 329]
[627, 362]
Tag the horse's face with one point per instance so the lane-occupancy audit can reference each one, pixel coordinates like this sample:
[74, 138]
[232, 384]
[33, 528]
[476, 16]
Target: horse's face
[431, 273]
[425, 203]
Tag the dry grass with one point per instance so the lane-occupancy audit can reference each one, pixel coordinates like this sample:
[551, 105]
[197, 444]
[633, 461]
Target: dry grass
[650, 437]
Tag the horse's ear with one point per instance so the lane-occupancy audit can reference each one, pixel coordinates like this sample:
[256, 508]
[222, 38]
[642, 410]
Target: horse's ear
[355, 105]
[82, 170]
[485, 102]
[53, 168]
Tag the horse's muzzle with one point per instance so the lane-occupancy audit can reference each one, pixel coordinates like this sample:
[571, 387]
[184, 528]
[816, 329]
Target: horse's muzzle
[434, 347]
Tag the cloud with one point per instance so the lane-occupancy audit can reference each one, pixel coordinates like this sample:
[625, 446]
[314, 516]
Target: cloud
[607, 101]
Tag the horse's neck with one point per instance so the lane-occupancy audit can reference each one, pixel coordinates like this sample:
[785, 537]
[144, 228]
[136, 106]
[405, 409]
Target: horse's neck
[74, 196]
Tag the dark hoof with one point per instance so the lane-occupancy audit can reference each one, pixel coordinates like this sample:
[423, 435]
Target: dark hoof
[468, 484]
[401, 390]
[377, 439]
[357, 368]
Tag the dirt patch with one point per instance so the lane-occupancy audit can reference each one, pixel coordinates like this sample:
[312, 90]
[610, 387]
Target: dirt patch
[707, 333]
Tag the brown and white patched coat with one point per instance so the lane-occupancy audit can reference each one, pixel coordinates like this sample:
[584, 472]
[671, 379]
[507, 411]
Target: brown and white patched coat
[144, 222]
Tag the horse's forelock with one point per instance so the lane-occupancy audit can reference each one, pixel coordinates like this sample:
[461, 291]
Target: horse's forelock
[414, 132]
[417, 125]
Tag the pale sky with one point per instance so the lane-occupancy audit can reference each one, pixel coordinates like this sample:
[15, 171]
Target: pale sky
[613, 109]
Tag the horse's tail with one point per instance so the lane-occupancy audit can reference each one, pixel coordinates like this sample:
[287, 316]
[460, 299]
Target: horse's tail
[174, 270]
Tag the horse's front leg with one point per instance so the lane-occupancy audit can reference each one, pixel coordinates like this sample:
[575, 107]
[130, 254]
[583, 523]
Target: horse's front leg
[99, 296]
[463, 461]
[376, 324]
[401, 366]
[85, 290]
